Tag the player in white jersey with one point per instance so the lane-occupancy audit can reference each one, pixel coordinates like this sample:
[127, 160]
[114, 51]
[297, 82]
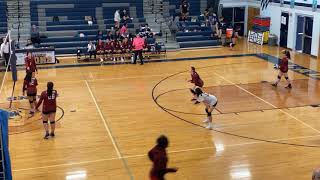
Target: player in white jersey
[210, 101]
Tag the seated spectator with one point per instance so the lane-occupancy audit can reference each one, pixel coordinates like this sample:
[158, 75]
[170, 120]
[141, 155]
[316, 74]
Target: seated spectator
[99, 36]
[220, 27]
[124, 16]
[184, 8]
[117, 19]
[117, 35]
[92, 50]
[145, 31]
[35, 35]
[124, 30]
[100, 48]
[110, 36]
[29, 45]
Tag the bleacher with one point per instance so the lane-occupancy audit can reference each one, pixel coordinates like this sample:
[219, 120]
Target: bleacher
[3, 17]
[193, 34]
[63, 34]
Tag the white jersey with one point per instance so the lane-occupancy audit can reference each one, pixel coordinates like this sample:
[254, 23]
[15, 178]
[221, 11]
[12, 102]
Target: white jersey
[207, 98]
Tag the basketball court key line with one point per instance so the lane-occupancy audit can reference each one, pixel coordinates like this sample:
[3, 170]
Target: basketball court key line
[293, 117]
[170, 152]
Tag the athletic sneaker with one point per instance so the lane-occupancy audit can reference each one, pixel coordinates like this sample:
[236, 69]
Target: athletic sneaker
[193, 99]
[52, 134]
[197, 102]
[289, 86]
[122, 59]
[46, 136]
[274, 84]
[209, 126]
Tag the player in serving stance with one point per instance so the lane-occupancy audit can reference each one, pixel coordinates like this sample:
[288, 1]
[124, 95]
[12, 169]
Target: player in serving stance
[210, 101]
[284, 63]
[49, 108]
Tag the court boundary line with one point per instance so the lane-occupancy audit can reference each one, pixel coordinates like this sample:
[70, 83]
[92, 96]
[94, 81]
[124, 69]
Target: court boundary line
[169, 152]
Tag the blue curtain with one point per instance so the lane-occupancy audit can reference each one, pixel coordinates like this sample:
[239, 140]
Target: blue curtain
[4, 116]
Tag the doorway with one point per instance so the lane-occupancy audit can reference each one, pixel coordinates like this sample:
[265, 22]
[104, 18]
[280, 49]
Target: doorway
[284, 29]
[304, 34]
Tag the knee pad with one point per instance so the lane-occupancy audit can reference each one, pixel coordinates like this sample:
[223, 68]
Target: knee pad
[45, 122]
[52, 122]
[279, 77]
[287, 78]
[192, 91]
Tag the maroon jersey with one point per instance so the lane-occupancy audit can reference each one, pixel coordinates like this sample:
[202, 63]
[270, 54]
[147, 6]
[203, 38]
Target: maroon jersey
[49, 102]
[30, 64]
[100, 46]
[30, 87]
[196, 80]
[108, 46]
[158, 156]
[126, 46]
[117, 46]
[284, 65]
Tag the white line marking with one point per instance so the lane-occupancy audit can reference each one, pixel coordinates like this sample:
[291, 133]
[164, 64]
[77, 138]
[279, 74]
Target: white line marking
[170, 152]
[104, 122]
[293, 117]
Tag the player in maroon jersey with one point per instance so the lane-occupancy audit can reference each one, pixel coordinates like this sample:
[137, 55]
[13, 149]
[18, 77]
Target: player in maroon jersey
[100, 49]
[159, 158]
[108, 49]
[30, 85]
[126, 48]
[30, 63]
[197, 81]
[49, 108]
[116, 50]
[283, 70]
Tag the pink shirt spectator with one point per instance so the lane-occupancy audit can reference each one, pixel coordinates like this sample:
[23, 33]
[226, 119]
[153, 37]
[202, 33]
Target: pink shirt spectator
[138, 43]
[123, 30]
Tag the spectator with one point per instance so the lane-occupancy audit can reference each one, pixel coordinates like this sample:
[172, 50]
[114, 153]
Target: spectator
[173, 25]
[145, 31]
[117, 19]
[124, 30]
[220, 27]
[206, 16]
[29, 45]
[158, 156]
[138, 46]
[117, 35]
[184, 10]
[92, 50]
[35, 35]
[124, 16]
[110, 36]
[99, 36]
[4, 50]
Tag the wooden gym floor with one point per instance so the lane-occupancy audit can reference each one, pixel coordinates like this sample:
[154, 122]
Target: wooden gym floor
[110, 116]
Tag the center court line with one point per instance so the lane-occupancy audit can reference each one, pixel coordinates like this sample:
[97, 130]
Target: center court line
[170, 152]
[293, 117]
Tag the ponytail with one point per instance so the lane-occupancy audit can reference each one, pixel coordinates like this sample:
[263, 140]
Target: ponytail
[49, 88]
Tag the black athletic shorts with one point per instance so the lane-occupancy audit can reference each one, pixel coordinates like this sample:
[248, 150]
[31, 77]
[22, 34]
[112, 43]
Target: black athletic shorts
[31, 94]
